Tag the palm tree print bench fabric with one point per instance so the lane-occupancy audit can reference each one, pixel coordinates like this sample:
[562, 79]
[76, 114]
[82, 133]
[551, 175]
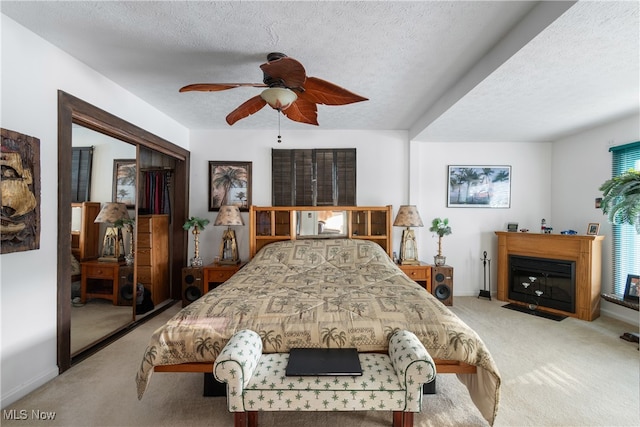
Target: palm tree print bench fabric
[257, 382]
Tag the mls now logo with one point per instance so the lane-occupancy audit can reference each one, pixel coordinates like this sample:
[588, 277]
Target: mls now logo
[23, 414]
[15, 414]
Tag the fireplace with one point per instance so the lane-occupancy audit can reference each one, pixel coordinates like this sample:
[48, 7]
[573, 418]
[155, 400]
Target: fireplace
[584, 252]
[542, 282]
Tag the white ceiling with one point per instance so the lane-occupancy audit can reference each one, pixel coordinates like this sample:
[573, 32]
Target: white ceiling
[442, 70]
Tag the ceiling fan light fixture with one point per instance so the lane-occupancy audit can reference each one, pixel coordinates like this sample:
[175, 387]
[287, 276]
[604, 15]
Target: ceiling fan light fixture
[279, 98]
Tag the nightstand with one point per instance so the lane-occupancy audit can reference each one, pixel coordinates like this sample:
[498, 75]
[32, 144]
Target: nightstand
[421, 274]
[216, 274]
[99, 280]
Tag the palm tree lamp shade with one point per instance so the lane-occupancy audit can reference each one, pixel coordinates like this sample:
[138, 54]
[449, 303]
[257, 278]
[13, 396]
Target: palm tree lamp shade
[112, 244]
[408, 216]
[229, 216]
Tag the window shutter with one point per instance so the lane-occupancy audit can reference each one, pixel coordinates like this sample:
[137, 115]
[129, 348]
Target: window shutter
[281, 178]
[81, 161]
[325, 178]
[303, 184]
[345, 162]
[322, 177]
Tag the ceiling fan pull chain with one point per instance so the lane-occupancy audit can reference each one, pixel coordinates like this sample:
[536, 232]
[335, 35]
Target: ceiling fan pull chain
[279, 137]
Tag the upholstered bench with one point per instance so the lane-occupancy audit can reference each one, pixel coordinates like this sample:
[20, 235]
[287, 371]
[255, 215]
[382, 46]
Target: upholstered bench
[257, 382]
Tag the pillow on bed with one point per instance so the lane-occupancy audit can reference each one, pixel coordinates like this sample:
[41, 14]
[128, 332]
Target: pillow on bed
[75, 266]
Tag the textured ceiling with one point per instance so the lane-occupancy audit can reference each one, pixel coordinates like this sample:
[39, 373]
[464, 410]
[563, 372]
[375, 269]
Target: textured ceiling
[442, 70]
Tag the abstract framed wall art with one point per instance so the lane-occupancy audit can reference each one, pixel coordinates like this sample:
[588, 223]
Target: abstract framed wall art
[479, 187]
[229, 184]
[20, 181]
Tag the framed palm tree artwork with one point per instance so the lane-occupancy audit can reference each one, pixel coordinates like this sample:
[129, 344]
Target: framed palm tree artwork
[479, 187]
[124, 182]
[229, 184]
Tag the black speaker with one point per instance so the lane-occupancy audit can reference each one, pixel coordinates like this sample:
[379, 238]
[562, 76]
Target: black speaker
[192, 284]
[442, 284]
[126, 290]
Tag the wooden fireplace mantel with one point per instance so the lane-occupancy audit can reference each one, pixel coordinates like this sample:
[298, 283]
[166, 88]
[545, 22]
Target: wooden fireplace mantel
[584, 250]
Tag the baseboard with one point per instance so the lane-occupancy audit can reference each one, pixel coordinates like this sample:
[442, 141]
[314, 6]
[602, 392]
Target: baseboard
[19, 392]
[470, 294]
[622, 314]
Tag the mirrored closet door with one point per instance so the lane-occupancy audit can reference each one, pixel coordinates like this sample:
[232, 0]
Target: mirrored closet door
[123, 197]
[102, 291]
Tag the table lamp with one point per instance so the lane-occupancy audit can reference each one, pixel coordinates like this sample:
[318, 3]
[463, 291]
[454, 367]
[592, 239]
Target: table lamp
[229, 215]
[408, 216]
[112, 244]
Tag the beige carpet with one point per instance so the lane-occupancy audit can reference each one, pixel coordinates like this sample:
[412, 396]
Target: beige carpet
[568, 373]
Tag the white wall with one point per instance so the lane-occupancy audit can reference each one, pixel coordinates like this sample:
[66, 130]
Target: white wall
[473, 229]
[581, 163]
[382, 171]
[32, 72]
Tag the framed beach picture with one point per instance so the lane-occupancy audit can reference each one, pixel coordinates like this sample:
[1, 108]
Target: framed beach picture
[229, 184]
[479, 187]
[124, 182]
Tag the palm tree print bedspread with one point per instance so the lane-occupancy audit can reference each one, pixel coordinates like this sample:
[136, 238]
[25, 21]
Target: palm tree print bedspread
[322, 293]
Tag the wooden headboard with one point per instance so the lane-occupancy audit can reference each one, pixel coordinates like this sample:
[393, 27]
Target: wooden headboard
[269, 224]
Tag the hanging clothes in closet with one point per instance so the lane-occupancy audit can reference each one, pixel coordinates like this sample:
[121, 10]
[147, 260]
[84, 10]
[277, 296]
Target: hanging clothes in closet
[155, 198]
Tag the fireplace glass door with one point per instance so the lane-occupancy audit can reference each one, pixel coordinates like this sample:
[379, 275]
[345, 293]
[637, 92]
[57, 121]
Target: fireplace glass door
[542, 282]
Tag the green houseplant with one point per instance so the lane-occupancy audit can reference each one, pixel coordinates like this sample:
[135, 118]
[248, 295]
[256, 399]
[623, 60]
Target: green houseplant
[442, 228]
[621, 199]
[198, 224]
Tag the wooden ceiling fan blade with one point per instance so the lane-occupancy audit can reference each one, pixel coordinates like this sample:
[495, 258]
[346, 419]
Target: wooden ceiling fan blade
[323, 92]
[302, 111]
[290, 71]
[215, 87]
[253, 105]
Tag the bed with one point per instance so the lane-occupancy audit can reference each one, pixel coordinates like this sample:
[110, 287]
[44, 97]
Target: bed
[323, 293]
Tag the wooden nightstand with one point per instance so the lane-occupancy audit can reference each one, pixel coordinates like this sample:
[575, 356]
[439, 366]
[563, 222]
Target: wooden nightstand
[216, 274]
[421, 274]
[99, 280]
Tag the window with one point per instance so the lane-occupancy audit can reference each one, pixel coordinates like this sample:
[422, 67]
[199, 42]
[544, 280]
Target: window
[320, 177]
[626, 241]
[81, 159]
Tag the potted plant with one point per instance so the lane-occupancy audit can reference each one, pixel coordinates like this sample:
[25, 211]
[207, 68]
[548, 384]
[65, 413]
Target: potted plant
[621, 199]
[127, 224]
[198, 224]
[441, 228]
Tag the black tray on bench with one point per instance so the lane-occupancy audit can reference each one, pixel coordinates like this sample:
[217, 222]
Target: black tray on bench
[323, 361]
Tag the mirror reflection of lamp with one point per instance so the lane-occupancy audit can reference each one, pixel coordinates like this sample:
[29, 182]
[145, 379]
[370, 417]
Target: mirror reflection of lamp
[408, 216]
[127, 224]
[229, 216]
[112, 244]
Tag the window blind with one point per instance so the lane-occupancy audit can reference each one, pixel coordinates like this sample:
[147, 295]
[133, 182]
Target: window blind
[626, 241]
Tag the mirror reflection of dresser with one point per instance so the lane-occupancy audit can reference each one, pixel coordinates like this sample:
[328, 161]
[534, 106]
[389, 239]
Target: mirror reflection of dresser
[85, 233]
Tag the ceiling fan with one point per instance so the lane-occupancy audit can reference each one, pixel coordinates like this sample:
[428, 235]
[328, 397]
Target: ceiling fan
[289, 90]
